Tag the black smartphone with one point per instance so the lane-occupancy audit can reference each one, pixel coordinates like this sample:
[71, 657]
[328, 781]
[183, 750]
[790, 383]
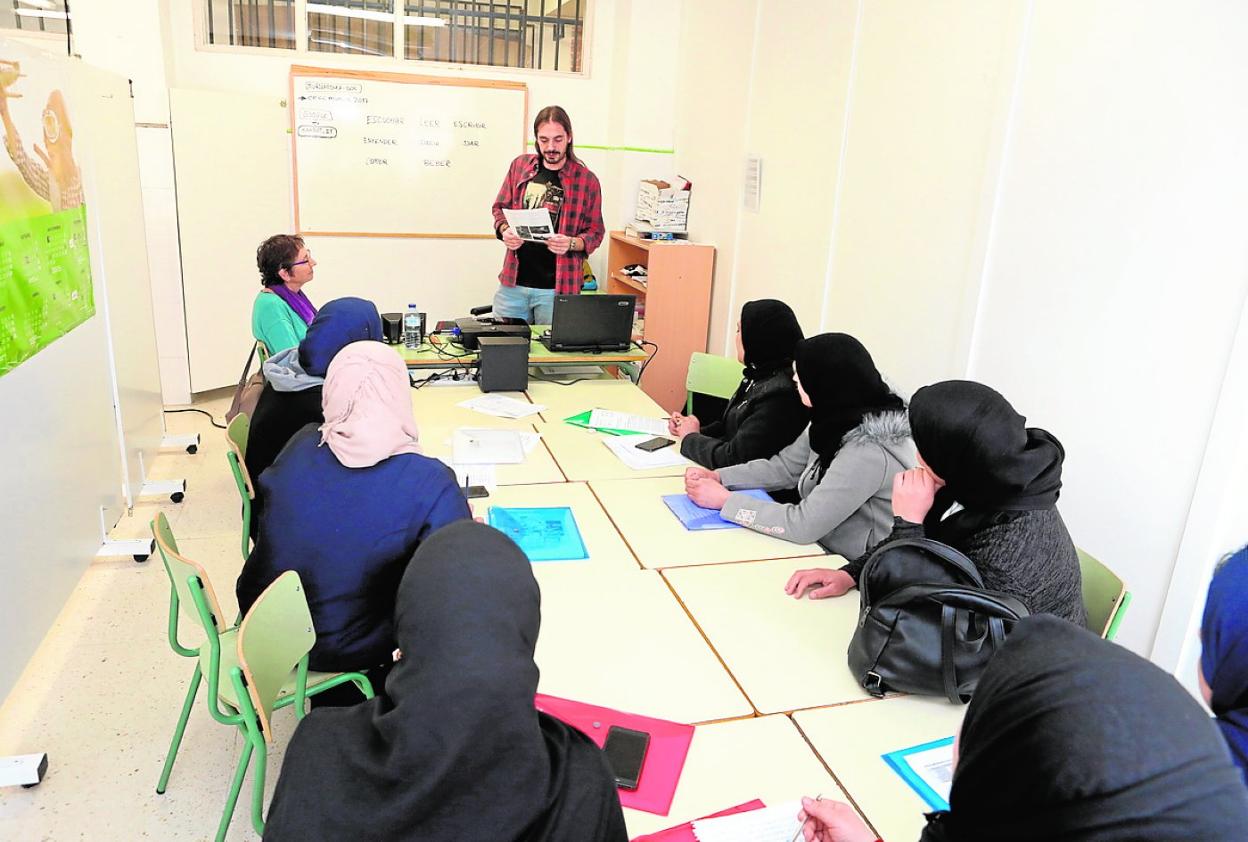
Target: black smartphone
[651, 445]
[626, 752]
[472, 492]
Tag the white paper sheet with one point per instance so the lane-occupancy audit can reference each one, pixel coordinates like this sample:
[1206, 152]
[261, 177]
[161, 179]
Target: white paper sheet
[471, 446]
[501, 406]
[474, 475]
[770, 824]
[607, 419]
[532, 225]
[625, 447]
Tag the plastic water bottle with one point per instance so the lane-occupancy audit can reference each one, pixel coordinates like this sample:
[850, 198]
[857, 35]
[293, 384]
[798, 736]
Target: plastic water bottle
[411, 327]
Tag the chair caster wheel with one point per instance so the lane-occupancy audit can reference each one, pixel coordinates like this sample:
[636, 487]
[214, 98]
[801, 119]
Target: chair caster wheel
[192, 449]
[141, 558]
[177, 496]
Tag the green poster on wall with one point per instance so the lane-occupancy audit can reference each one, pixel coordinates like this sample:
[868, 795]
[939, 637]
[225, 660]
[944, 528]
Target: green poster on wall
[45, 263]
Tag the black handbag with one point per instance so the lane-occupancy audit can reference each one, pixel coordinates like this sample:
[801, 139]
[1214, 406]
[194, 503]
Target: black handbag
[926, 623]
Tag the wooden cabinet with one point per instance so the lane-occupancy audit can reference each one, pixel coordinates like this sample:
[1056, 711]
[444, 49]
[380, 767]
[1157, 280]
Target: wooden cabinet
[673, 304]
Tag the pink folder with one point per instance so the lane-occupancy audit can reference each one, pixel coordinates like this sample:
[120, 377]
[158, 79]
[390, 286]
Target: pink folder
[669, 744]
[684, 832]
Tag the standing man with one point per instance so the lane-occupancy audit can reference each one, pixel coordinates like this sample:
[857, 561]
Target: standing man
[556, 180]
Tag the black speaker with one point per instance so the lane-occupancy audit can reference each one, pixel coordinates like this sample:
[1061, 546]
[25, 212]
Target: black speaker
[504, 364]
[392, 328]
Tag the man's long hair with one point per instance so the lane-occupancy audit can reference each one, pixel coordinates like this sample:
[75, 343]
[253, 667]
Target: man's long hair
[554, 114]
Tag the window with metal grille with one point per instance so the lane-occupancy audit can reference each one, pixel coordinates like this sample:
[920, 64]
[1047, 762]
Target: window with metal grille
[532, 34]
[34, 16]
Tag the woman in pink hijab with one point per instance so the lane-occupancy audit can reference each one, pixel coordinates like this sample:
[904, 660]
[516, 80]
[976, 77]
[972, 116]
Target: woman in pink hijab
[346, 506]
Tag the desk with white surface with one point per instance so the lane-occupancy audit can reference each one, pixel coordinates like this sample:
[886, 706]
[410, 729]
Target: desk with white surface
[436, 406]
[619, 395]
[851, 739]
[621, 640]
[730, 763]
[659, 540]
[582, 455]
[538, 466]
[789, 654]
[607, 550]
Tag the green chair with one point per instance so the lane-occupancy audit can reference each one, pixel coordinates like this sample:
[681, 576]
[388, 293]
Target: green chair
[262, 351]
[236, 434]
[711, 375]
[218, 655]
[1104, 595]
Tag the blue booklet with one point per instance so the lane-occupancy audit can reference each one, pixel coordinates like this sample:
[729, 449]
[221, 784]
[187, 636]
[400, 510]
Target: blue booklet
[544, 534]
[695, 518]
[928, 768]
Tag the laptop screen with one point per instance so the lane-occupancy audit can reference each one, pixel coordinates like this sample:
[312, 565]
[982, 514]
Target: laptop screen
[592, 322]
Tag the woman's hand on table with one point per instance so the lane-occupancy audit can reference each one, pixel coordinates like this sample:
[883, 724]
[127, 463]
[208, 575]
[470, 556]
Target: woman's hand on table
[825, 582]
[707, 492]
[832, 821]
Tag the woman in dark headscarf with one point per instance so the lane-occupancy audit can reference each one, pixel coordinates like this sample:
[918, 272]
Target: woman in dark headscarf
[294, 377]
[1224, 654]
[1071, 738]
[842, 465]
[977, 452]
[458, 752]
[765, 413]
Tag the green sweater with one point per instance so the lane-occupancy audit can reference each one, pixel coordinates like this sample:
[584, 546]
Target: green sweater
[275, 324]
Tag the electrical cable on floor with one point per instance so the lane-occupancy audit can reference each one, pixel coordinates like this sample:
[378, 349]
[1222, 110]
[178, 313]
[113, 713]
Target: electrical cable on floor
[211, 417]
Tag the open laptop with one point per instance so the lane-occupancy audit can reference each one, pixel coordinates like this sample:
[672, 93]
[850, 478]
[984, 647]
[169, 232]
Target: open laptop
[596, 323]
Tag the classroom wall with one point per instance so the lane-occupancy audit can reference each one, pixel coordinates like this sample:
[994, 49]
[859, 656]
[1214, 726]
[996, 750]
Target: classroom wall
[1046, 197]
[614, 105]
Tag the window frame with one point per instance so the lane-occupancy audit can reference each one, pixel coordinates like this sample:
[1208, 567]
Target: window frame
[302, 55]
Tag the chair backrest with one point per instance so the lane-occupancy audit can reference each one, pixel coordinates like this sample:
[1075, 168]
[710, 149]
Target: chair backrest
[236, 433]
[262, 351]
[274, 637]
[711, 375]
[180, 571]
[1105, 596]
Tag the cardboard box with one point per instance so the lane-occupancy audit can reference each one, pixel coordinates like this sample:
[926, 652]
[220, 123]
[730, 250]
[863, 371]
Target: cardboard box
[664, 205]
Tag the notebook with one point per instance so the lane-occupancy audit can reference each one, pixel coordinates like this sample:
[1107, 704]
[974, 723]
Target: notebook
[695, 518]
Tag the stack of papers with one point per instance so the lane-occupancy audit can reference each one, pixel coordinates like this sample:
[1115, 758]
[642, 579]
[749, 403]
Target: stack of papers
[501, 406]
[487, 447]
[625, 447]
[770, 824]
[606, 419]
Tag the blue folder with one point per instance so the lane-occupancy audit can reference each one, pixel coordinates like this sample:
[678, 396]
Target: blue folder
[900, 764]
[695, 518]
[548, 534]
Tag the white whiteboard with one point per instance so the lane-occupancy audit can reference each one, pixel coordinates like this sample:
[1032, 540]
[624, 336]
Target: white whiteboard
[390, 154]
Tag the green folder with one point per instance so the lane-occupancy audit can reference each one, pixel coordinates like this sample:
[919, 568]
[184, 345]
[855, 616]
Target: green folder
[582, 420]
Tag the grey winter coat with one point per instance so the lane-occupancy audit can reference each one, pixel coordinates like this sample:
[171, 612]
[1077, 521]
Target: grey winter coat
[849, 509]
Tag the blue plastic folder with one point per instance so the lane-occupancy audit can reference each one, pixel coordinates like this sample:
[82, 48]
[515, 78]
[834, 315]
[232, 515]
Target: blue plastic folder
[926, 767]
[695, 518]
[544, 534]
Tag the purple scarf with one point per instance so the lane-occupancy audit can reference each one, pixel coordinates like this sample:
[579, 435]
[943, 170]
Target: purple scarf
[297, 301]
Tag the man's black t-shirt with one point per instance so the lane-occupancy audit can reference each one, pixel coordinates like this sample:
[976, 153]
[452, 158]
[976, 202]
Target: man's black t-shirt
[537, 263]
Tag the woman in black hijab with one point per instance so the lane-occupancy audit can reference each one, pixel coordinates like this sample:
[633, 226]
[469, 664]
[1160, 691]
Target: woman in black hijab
[842, 465]
[1071, 738]
[458, 752]
[977, 452]
[765, 413]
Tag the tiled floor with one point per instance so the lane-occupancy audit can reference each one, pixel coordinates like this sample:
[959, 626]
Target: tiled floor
[102, 694]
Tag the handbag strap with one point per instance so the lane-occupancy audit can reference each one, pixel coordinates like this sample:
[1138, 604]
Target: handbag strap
[247, 367]
[949, 669]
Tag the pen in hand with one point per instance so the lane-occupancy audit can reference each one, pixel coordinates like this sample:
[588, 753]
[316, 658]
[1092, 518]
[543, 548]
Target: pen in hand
[800, 825]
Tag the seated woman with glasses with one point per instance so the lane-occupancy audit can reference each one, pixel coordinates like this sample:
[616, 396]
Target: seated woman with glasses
[282, 313]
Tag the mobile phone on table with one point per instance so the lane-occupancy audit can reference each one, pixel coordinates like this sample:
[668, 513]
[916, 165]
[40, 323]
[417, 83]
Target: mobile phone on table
[626, 752]
[651, 445]
[472, 492]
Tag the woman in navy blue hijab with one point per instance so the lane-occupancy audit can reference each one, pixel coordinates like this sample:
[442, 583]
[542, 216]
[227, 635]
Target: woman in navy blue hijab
[1224, 656]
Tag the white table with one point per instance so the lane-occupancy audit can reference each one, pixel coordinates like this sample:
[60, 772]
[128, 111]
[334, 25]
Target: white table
[607, 550]
[538, 465]
[658, 538]
[618, 395]
[436, 406]
[582, 455]
[621, 640]
[786, 653]
[851, 739]
[730, 763]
